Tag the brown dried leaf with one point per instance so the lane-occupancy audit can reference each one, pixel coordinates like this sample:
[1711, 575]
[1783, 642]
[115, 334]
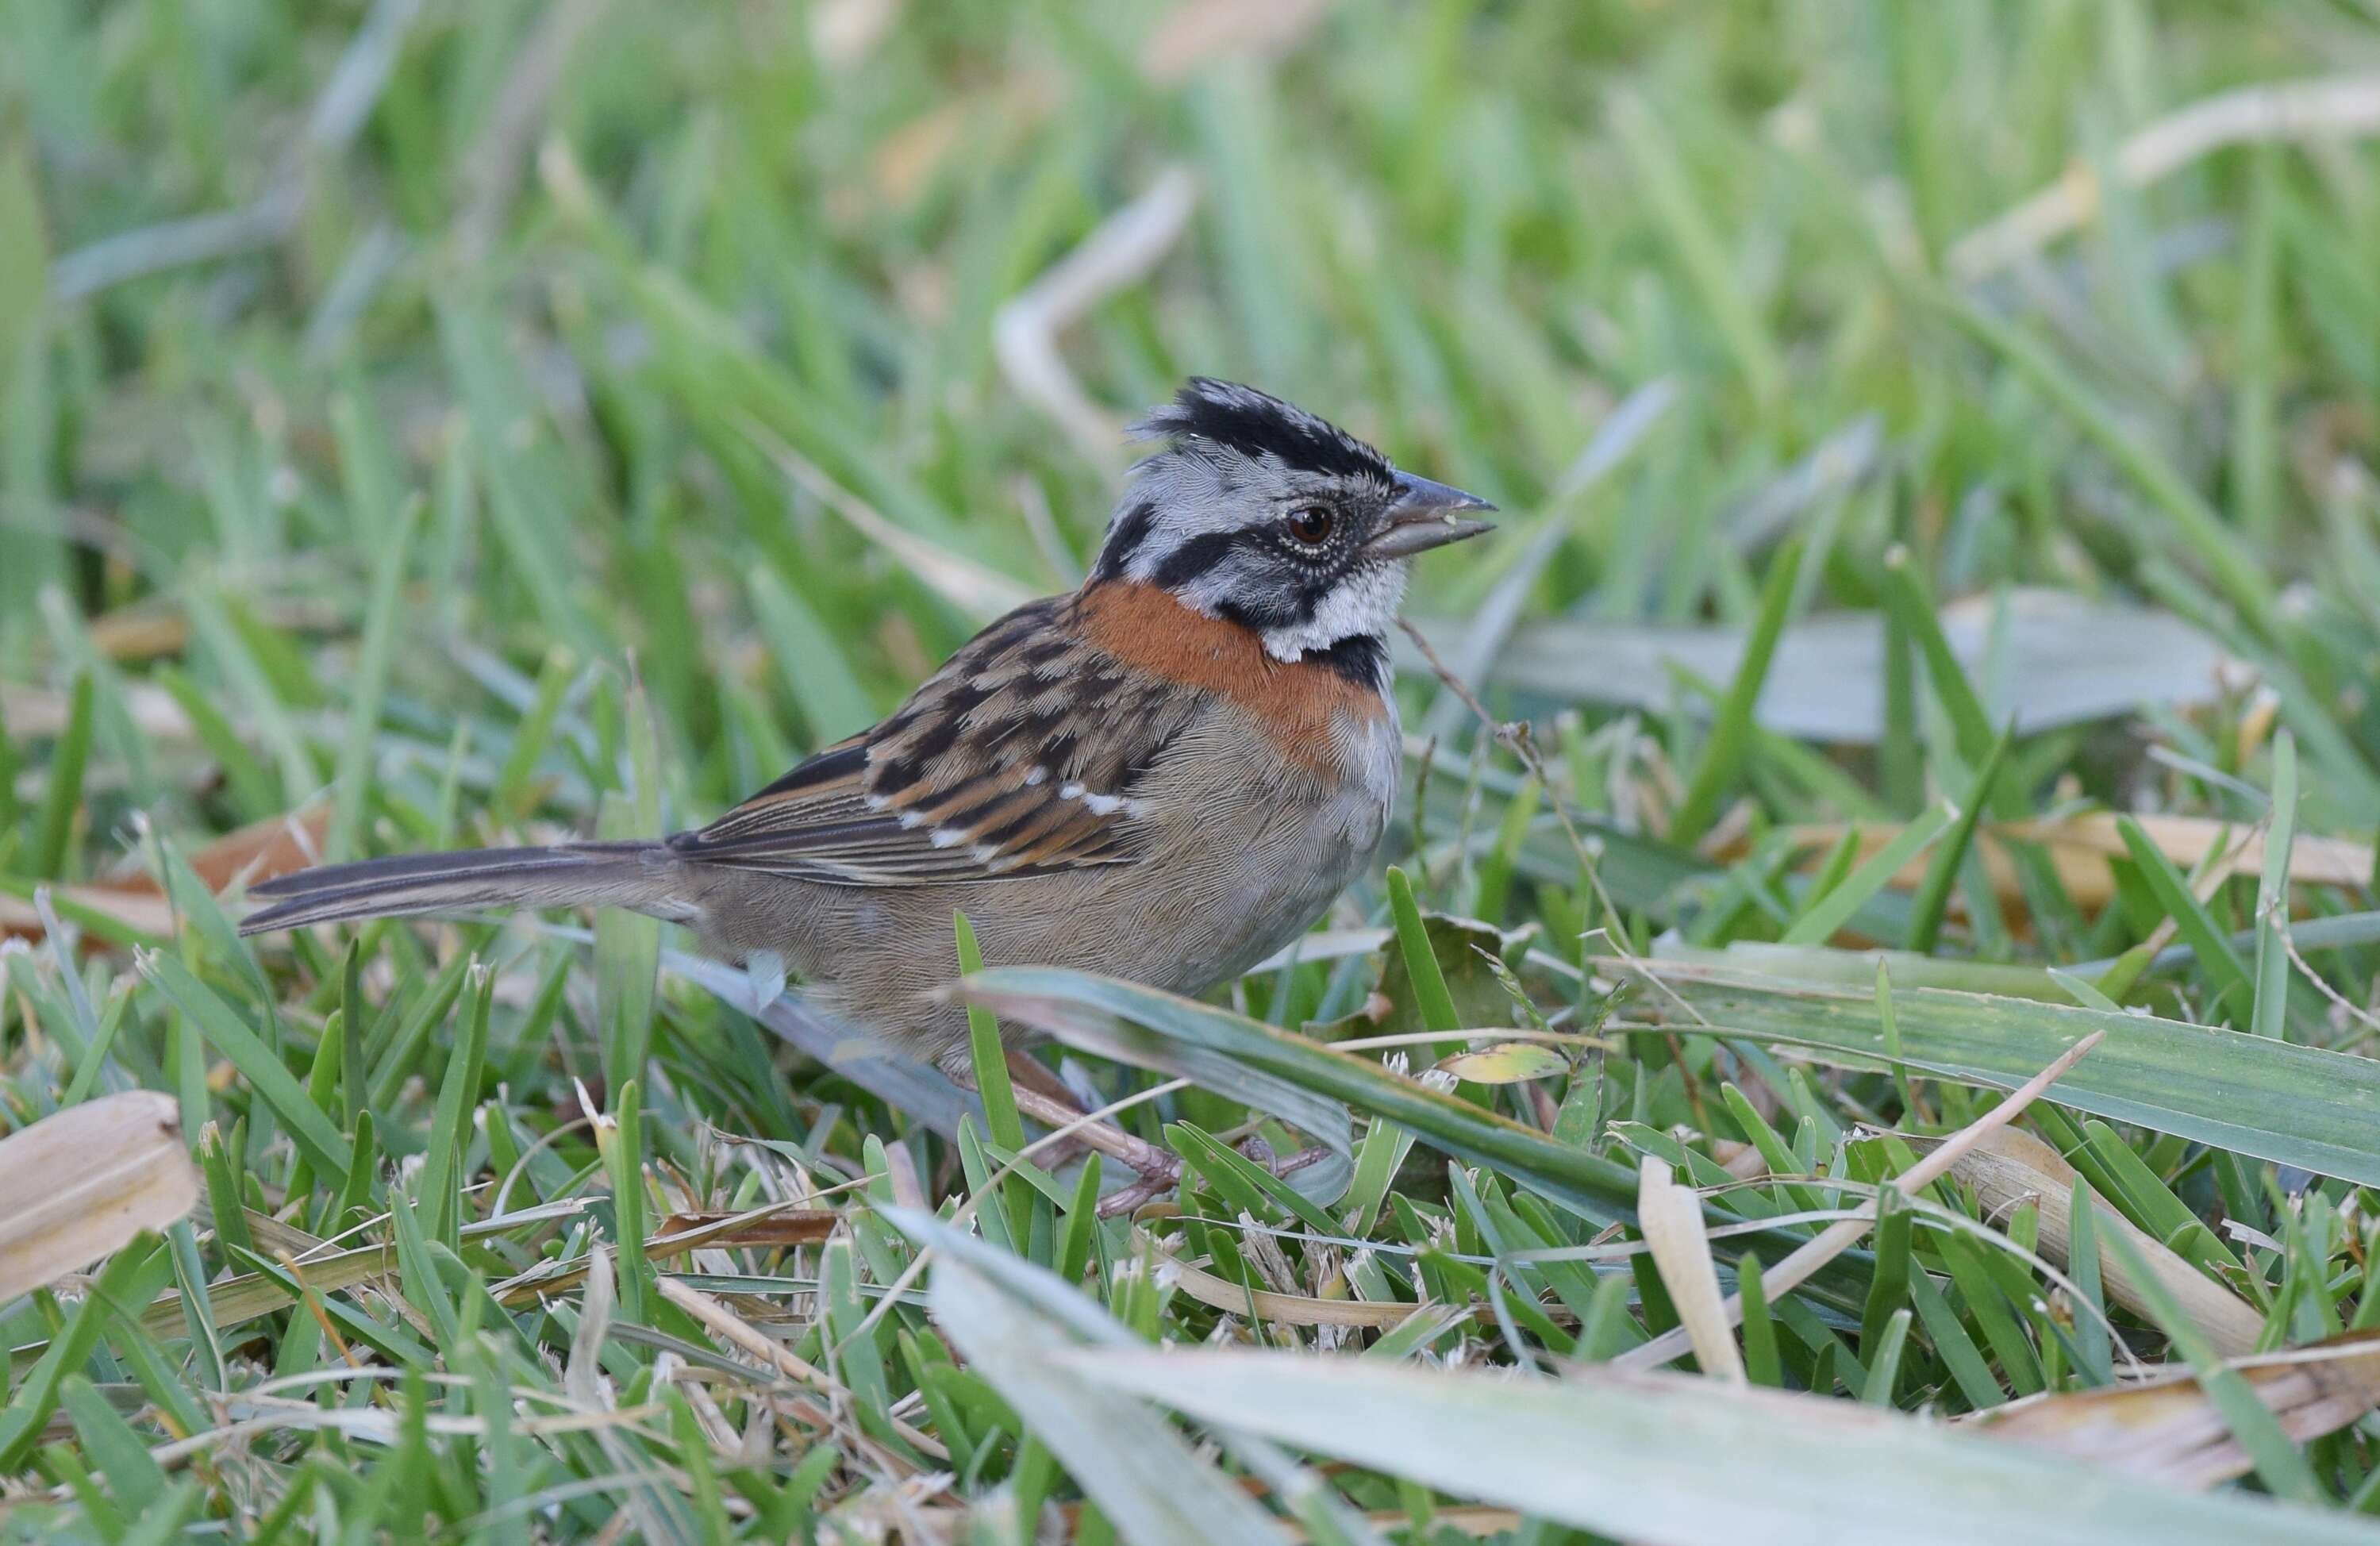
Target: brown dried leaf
[1672, 1218]
[805, 1227]
[83, 1182]
[257, 851]
[144, 912]
[1295, 1310]
[1199, 32]
[2010, 1167]
[2170, 1432]
[2079, 848]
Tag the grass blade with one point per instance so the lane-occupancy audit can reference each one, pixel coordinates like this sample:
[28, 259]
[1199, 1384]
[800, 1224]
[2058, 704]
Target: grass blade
[1721, 763]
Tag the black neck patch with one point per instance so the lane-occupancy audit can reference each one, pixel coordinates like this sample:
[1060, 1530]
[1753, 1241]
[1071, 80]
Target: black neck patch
[1124, 540]
[1257, 424]
[1360, 658]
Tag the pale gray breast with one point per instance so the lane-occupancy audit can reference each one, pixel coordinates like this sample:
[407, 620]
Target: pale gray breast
[1248, 847]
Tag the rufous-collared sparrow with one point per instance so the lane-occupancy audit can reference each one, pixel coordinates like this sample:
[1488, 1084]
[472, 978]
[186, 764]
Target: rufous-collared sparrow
[1164, 777]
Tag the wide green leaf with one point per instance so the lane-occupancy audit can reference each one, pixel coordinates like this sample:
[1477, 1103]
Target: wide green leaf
[1170, 1035]
[1680, 1459]
[1014, 1320]
[2302, 1106]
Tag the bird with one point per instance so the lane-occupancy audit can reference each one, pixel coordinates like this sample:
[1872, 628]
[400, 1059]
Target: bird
[1164, 775]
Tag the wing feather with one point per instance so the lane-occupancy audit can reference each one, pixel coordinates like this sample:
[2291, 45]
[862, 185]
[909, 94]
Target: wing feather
[1020, 756]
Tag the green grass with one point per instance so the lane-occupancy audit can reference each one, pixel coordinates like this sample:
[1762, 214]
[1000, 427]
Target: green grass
[566, 447]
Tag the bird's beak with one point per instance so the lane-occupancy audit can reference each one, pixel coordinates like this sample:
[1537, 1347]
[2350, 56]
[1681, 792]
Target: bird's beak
[1425, 516]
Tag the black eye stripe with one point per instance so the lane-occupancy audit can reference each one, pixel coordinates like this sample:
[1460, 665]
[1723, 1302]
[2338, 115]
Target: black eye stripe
[1201, 554]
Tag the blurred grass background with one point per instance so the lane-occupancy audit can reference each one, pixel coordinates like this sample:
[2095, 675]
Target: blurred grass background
[457, 422]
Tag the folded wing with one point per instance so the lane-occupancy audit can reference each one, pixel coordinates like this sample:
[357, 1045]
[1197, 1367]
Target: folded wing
[1026, 753]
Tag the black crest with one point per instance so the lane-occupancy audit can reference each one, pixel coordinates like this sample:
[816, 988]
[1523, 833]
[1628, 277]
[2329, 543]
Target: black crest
[1257, 424]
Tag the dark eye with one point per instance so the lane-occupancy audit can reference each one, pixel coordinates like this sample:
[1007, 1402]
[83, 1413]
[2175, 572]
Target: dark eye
[1312, 526]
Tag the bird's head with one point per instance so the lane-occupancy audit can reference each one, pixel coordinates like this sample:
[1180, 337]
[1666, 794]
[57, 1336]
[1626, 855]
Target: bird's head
[1257, 512]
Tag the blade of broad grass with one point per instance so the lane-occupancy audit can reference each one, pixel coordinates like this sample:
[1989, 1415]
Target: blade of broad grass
[1720, 765]
[1828, 915]
[627, 959]
[62, 784]
[1138, 1025]
[1901, 759]
[353, 782]
[2279, 1463]
[555, 675]
[2091, 1337]
[1067, 1318]
[1932, 901]
[450, 1123]
[205, 1014]
[809, 660]
[2278, 1101]
[1431, 999]
[528, 486]
[1127, 1457]
[990, 1060]
[32, 547]
[2171, 887]
[1684, 219]
[2269, 1015]
[134, 1479]
[1629, 1456]
[2235, 573]
[624, 1161]
[2253, 472]
[1905, 599]
[130, 1279]
[1169, 1035]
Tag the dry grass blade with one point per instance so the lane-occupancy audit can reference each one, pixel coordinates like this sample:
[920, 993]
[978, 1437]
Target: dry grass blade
[800, 1226]
[142, 912]
[2187, 840]
[2080, 847]
[492, 171]
[131, 897]
[1672, 1218]
[980, 591]
[2281, 110]
[1294, 1309]
[1201, 31]
[734, 1329]
[2170, 1432]
[2010, 1167]
[1119, 253]
[1795, 1269]
[83, 1183]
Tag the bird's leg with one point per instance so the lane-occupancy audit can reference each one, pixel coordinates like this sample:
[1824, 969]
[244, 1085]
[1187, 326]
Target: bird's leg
[1039, 1096]
[1025, 1073]
[1152, 1163]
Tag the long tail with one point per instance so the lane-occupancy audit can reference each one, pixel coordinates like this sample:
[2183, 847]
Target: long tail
[634, 875]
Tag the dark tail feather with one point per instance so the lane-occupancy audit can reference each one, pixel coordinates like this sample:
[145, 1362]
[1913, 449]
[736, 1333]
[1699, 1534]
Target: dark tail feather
[634, 875]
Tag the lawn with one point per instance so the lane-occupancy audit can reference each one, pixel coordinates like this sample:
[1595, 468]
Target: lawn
[1875, 956]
